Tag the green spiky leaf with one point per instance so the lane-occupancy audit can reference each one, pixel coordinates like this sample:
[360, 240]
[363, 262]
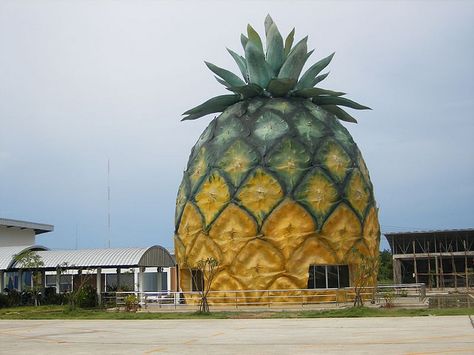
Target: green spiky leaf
[275, 50]
[341, 101]
[274, 73]
[220, 81]
[247, 91]
[312, 92]
[254, 37]
[280, 87]
[216, 104]
[260, 72]
[268, 22]
[319, 78]
[226, 75]
[244, 40]
[293, 65]
[242, 64]
[289, 42]
[309, 76]
[339, 113]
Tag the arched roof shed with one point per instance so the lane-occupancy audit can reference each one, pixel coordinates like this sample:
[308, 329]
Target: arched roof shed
[155, 256]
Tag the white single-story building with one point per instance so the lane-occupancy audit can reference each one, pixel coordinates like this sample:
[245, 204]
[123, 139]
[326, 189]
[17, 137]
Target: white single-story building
[133, 269]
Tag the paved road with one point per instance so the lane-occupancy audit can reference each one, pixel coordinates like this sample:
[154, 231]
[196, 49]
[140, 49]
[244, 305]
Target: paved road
[418, 335]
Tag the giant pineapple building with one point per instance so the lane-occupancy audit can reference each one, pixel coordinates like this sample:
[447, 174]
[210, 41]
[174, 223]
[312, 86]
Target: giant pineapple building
[275, 189]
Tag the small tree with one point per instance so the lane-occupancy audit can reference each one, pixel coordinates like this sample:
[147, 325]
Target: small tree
[386, 267]
[203, 279]
[80, 292]
[364, 276]
[30, 260]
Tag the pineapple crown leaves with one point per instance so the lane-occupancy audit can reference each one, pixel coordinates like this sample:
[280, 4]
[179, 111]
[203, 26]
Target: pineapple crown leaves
[274, 72]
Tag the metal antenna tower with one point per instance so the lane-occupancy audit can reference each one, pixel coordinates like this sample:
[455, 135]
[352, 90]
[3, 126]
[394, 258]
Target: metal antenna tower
[77, 236]
[108, 204]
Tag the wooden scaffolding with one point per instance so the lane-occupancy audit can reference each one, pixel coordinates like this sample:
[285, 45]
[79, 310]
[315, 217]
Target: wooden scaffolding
[439, 259]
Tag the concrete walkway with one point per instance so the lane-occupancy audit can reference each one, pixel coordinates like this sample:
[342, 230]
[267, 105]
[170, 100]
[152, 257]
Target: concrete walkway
[417, 335]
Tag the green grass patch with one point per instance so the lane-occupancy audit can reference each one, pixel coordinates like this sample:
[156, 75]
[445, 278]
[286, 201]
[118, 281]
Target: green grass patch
[374, 312]
[63, 312]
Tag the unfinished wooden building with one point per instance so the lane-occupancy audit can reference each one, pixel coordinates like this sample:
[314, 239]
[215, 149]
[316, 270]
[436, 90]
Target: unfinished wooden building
[439, 259]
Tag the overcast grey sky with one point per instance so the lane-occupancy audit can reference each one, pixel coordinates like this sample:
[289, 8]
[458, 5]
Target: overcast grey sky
[82, 82]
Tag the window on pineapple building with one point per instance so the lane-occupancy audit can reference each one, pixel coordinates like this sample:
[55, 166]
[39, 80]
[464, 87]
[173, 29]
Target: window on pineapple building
[197, 280]
[328, 276]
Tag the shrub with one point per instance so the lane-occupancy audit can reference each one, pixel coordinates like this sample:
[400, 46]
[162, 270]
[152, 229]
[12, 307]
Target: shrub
[389, 297]
[131, 303]
[51, 297]
[4, 300]
[86, 297]
[27, 298]
[14, 298]
[10, 298]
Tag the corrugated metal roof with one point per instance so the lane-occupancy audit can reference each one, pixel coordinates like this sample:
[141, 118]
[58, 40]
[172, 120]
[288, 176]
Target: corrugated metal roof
[7, 254]
[438, 231]
[112, 257]
[37, 227]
